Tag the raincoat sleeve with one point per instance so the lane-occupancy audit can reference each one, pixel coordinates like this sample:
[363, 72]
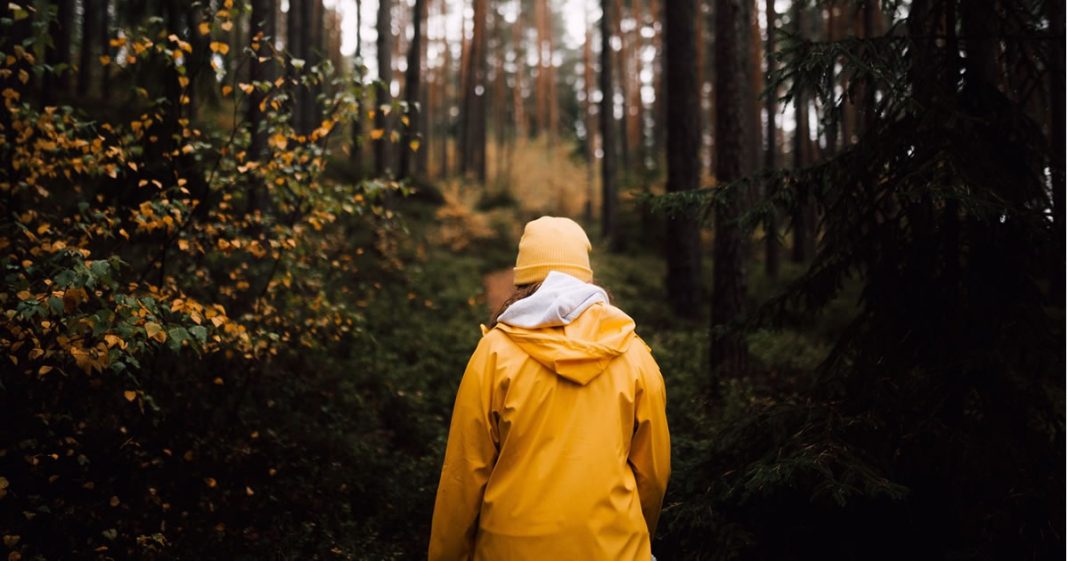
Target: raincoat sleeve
[650, 447]
[470, 455]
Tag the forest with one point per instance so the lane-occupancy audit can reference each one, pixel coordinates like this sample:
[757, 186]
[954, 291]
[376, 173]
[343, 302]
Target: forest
[246, 247]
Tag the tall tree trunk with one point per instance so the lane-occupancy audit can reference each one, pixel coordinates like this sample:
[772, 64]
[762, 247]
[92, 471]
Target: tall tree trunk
[422, 157]
[639, 140]
[473, 114]
[356, 149]
[90, 12]
[294, 39]
[519, 115]
[61, 30]
[801, 147]
[313, 55]
[608, 141]
[444, 113]
[658, 131]
[1055, 9]
[104, 32]
[683, 247]
[262, 29]
[771, 151]
[588, 118]
[383, 96]
[621, 58]
[728, 354]
[412, 77]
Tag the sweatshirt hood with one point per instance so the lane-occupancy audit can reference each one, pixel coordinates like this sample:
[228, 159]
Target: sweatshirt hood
[568, 326]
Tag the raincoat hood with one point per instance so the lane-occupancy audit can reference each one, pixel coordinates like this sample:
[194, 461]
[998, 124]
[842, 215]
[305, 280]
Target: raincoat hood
[568, 326]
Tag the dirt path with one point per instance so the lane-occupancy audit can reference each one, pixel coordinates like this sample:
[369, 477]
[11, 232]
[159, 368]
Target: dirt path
[498, 285]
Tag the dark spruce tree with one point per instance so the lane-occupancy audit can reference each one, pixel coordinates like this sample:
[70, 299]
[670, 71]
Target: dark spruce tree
[934, 427]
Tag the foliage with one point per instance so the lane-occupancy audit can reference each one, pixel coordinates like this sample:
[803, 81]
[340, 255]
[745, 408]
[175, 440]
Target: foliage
[170, 301]
[943, 392]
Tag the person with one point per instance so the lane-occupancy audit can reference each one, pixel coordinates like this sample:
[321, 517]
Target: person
[558, 446]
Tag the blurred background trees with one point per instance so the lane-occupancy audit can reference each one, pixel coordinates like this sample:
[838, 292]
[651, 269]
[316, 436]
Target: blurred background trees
[243, 244]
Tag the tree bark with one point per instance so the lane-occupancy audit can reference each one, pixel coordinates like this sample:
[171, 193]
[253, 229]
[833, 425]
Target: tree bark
[728, 354]
[588, 121]
[105, 48]
[473, 114]
[771, 151]
[262, 29]
[294, 32]
[801, 226]
[1057, 101]
[412, 90]
[383, 96]
[61, 31]
[90, 12]
[608, 146]
[356, 150]
[683, 243]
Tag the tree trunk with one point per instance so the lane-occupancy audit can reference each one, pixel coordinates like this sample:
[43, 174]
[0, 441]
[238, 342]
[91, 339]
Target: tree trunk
[444, 113]
[105, 48]
[659, 130]
[728, 354]
[621, 61]
[90, 12]
[588, 120]
[313, 56]
[262, 30]
[294, 32]
[356, 150]
[413, 75]
[801, 147]
[683, 247]
[473, 114]
[608, 141]
[771, 152]
[61, 30]
[383, 96]
[1057, 101]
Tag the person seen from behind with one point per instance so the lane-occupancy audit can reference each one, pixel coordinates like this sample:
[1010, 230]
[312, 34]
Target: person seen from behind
[558, 446]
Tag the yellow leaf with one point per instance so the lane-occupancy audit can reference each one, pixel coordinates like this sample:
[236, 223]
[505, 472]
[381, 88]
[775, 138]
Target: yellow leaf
[114, 340]
[24, 295]
[155, 331]
[226, 90]
[247, 88]
[204, 28]
[105, 60]
[227, 25]
[405, 120]
[279, 141]
[219, 47]
[217, 381]
[210, 482]
[129, 395]
[183, 81]
[414, 144]
[10, 540]
[24, 76]
[114, 502]
[377, 134]
[44, 370]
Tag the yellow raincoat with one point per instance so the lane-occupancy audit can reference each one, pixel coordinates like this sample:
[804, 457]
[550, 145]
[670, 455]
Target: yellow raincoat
[558, 447]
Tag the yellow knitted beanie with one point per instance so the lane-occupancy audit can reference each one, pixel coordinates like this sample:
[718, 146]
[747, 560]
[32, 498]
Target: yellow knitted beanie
[552, 244]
